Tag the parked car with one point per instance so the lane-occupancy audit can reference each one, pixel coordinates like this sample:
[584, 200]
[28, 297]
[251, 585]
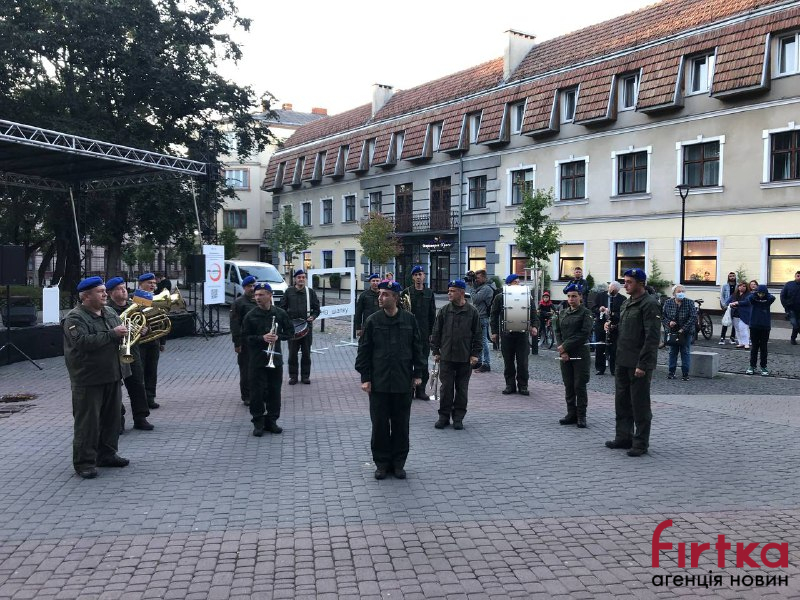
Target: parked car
[236, 270]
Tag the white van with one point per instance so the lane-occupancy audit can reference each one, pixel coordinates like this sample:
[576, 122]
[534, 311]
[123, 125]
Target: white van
[236, 270]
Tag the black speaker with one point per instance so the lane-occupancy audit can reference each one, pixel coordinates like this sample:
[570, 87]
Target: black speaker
[12, 266]
[196, 268]
[19, 316]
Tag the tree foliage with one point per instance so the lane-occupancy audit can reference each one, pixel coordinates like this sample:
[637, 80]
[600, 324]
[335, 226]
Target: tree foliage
[229, 239]
[140, 73]
[537, 235]
[379, 243]
[289, 237]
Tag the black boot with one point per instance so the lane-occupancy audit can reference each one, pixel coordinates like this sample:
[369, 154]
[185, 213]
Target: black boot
[581, 417]
[571, 417]
[420, 393]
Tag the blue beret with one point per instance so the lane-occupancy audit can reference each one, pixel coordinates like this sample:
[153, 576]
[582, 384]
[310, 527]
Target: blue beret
[457, 283]
[572, 287]
[264, 286]
[417, 269]
[374, 276]
[392, 286]
[142, 294]
[637, 274]
[89, 283]
[114, 282]
[299, 272]
[146, 277]
[512, 277]
[248, 280]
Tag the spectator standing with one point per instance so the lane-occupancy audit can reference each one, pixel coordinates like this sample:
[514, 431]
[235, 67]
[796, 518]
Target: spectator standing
[790, 299]
[680, 316]
[760, 325]
[482, 301]
[741, 315]
[725, 292]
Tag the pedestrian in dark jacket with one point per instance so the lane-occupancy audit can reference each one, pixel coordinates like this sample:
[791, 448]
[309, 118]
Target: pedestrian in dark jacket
[239, 309]
[482, 297]
[456, 345]
[790, 299]
[367, 303]
[760, 325]
[580, 284]
[422, 305]
[513, 344]
[740, 315]
[572, 327]
[680, 316]
[301, 303]
[390, 362]
[606, 309]
[637, 353]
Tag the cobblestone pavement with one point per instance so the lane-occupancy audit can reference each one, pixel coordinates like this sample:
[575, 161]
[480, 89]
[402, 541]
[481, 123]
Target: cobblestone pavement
[513, 506]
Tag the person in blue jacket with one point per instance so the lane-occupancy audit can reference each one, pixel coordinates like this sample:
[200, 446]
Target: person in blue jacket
[760, 325]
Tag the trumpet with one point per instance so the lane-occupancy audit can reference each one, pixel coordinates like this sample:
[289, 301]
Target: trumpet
[433, 382]
[271, 348]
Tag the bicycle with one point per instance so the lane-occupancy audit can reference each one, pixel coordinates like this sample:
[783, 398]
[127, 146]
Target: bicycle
[704, 324]
[546, 336]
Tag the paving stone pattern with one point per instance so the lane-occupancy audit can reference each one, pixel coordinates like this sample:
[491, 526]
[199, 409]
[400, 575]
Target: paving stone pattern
[513, 506]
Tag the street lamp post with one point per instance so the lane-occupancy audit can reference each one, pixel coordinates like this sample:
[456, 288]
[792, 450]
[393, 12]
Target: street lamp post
[683, 190]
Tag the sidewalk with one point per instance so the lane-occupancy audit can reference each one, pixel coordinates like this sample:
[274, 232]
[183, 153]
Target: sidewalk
[513, 506]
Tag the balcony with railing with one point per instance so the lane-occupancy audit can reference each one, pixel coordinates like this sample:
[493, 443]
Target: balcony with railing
[424, 221]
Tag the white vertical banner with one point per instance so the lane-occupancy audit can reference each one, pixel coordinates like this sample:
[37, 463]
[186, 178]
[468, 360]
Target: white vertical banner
[214, 284]
[51, 305]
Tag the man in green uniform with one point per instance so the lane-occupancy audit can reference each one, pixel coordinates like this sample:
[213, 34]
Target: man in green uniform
[264, 325]
[514, 345]
[572, 327]
[422, 305]
[134, 383]
[151, 351]
[302, 304]
[92, 334]
[239, 309]
[390, 362]
[367, 303]
[456, 344]
[637, 350]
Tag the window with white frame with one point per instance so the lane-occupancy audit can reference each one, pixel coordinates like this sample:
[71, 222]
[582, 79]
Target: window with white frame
[476, 258]
[238, 179]
[783, 260]
[436, 136]
[702, 163]
[521, 184]
[784, 158]
[632, 172]
[327, 211]
[517, 110]
[350, 208]
[569, 257]
[399, 140]
[306, 214]
[327, 259]
[477, 191]
[474, 127]
[572, 179]
[236, 219]
[349, 259]
[375, 201]
[700, 262]
[788, 58]
[628, 255]
[518, 261]
[628, 91]
[701, 73]
[569, 101]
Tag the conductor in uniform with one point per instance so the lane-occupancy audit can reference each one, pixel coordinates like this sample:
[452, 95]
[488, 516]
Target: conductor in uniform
[302, 304]
[134, 383]
[456, 344]
[572, 327]
[423, 307]
[367, 303]
[606, 310]
[152, 350]
[637, 351]
[264, 325]
[239, 309]
[92, 335]
[390, 361]
[514, 345]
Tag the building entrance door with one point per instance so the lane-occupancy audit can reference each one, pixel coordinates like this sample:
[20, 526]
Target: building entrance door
[440, 272]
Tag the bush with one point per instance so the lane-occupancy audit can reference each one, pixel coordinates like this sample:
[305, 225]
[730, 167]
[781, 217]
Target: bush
[335, 280]
[498, 283]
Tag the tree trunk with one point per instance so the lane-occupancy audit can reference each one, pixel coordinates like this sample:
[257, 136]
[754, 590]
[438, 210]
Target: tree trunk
[112, 257]
[47, 257]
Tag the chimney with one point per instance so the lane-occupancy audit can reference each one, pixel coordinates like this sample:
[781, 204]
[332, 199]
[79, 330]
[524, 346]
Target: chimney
[380, 96]
[517, 48]
[286, 106]
[319, 111]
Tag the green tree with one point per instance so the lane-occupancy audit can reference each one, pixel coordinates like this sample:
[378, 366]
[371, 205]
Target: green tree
[136, 72]
[379, 243]
[656, 278]
[229, 239]
[289, 237]
[536, 233]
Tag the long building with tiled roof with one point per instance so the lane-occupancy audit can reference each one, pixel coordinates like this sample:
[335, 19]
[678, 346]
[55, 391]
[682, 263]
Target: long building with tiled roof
[611, 117]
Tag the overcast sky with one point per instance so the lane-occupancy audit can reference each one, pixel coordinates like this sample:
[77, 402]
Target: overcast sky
[329, 53]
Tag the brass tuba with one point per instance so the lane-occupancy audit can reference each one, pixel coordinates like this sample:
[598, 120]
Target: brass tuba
[157, 314]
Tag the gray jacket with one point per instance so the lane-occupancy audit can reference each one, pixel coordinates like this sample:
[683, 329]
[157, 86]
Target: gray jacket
[482, 299]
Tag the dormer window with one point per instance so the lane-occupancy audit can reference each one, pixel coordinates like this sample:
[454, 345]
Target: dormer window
[701, 74]
[399, 139]
[474, 127]
[436, 136]
[370, 151]
[569, 100]
[628, 91]
[788, 58]
[517, 111]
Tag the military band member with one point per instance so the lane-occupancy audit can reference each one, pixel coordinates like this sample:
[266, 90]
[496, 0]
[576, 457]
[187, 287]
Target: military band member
[572, 327]
[151, 351]
[301, 303]
[367, 303]
[637, 351]
[456, 345]
[606, 310]
[239, 309]
[265, 381]
[390, 361]
[514, 345]
[92, 335]
[134, 383]
[423, 307]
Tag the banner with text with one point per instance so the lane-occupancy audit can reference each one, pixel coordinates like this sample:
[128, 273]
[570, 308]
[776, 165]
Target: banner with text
[214, 285]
